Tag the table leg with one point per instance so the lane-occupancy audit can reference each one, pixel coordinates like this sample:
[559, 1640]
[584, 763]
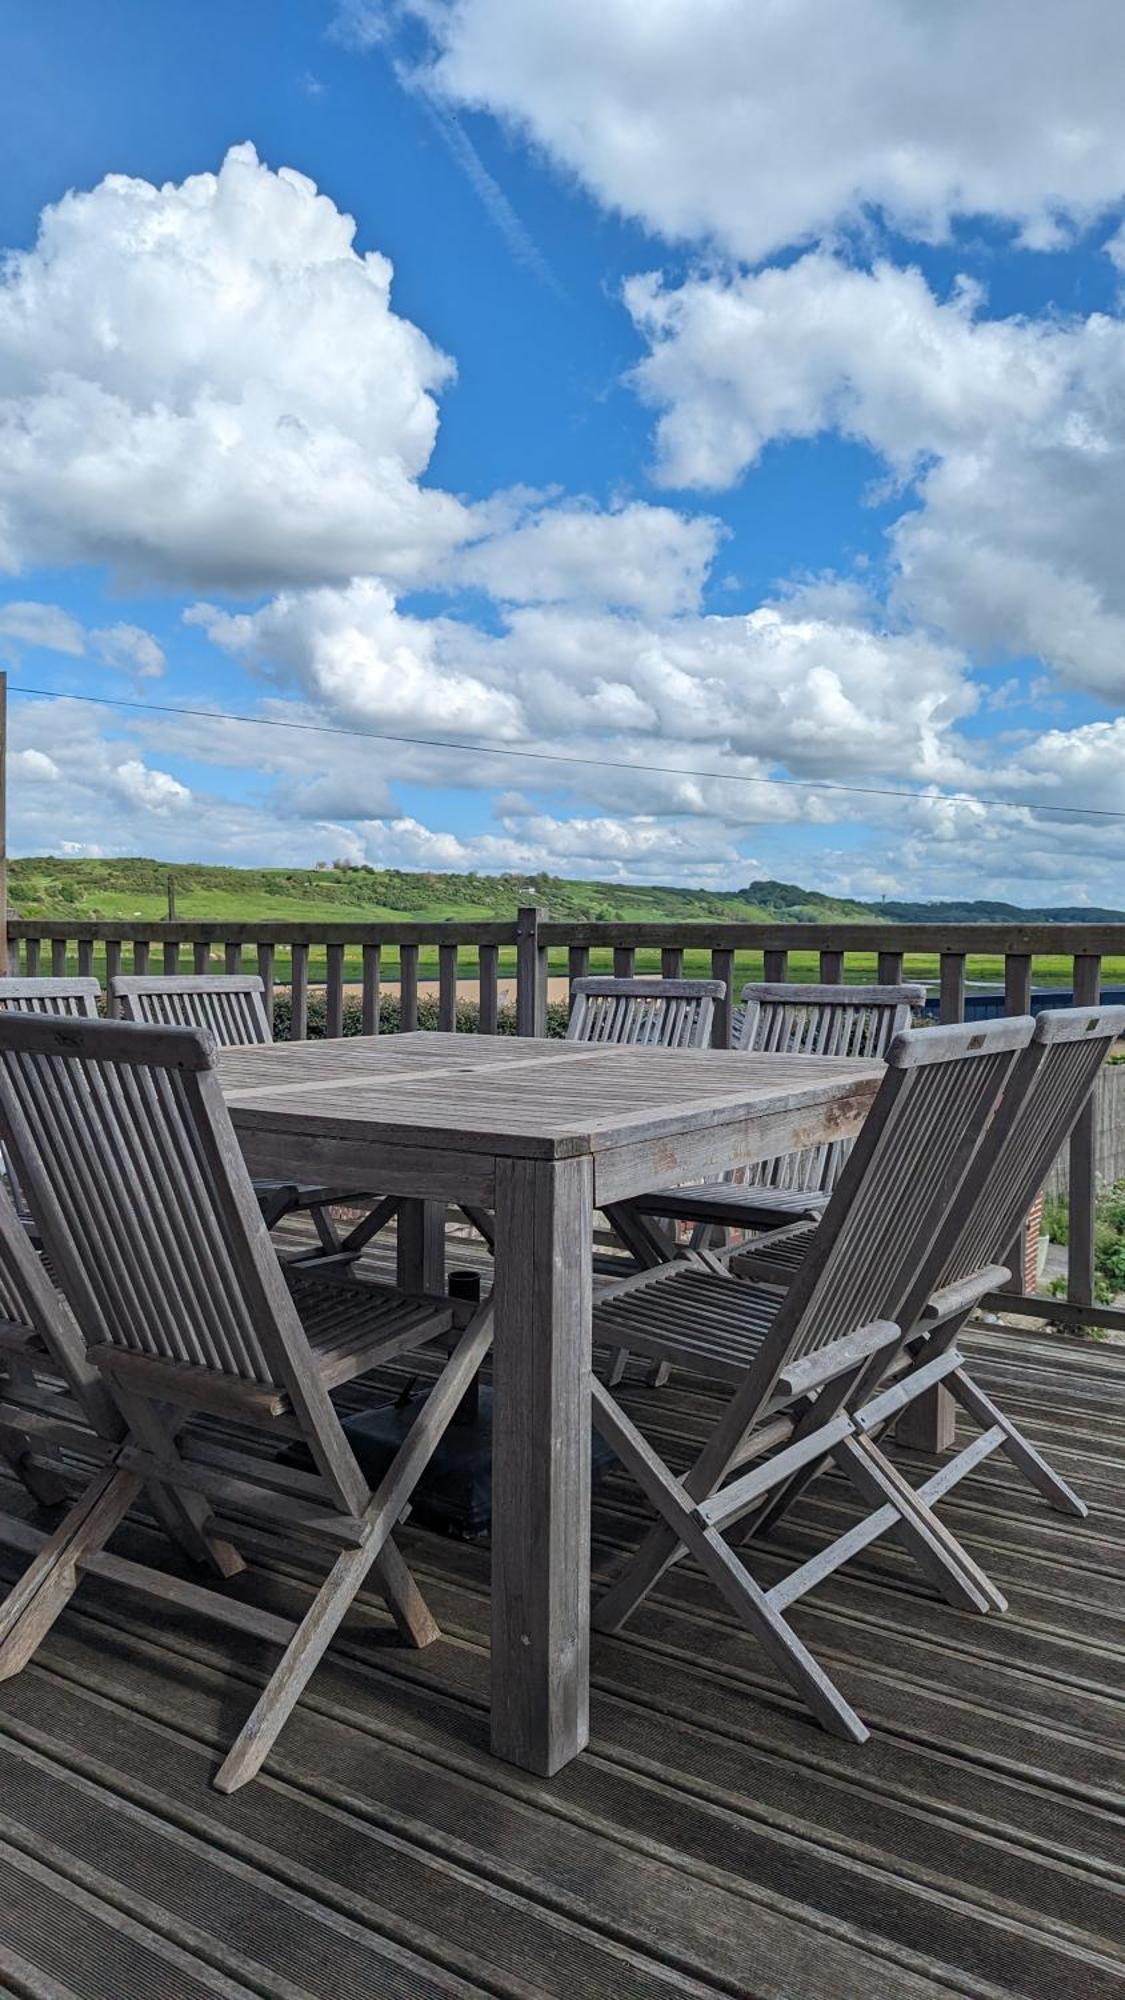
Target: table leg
[420, 1255]
[541, 1462]
[929, 1424]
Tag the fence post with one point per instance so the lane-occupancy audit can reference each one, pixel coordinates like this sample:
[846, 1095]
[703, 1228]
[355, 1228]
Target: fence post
[531, 973]
[1083, 1196]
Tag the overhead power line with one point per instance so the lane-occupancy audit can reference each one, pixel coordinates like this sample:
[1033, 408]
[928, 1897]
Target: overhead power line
[565, 758]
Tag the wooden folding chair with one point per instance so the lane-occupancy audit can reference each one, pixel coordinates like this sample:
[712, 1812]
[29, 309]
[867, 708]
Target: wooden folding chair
[232, 1007]
[1050, 1086]
[797, 1361]
[126, 1150]
[644, 1013]
[795, 1021]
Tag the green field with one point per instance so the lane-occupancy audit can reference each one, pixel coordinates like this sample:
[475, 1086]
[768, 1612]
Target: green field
[56, 890]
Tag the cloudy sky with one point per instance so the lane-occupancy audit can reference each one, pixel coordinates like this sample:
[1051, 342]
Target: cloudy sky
[676, 440]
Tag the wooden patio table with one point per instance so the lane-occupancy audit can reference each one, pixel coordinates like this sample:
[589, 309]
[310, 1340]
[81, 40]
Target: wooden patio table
[540, 1133]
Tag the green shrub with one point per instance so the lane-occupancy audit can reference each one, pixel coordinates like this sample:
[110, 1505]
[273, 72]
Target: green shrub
[390, 1016]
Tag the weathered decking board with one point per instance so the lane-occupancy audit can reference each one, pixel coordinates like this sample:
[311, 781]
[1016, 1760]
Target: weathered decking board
[712, 1840]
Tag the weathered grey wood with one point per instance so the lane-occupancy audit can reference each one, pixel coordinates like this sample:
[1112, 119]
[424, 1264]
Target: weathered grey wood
[722, 971]
[458, 1114]
[541, 1462]
[265, 974]
[531, 974]
[334, 991]
[643, 1013]
[775, 966]
[1083, 1191]
[200, 956]
[420, 1246]
[488, 988]
[881, 1246]
[51, 996]
[232, 1008]
[447, 987]
[408, 988]
[299, 992]
[135, 1176]
[953, 986]
[804, 1021]
[371, 973]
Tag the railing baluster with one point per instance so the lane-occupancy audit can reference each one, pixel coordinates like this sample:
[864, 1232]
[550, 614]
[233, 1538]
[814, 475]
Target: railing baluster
[370, 989]
[531, 974]
[13, 956]
[232, 956]
[334, 992]
[672, 961]
[624, 961]
[722, 967]
[577, 965]
[140, 956]
[890, 969]
[831, 968]
[447, 988]
[85, 958]
[952, 986]
[112, 968]
[488, 988]
[1017, 983]
[408, 988]
[775, 966]
[299, 993]
[1083, 1196]
[171, 956]
[58, 958]
[265, 974]
[201, 956]
[33, 958]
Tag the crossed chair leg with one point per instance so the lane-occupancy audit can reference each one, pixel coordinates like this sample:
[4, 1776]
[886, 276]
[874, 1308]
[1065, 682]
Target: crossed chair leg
[697, 1525]
[78, 1545]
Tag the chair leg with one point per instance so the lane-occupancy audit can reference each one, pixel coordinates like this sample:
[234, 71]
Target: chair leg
[184, 1516]
[51, 1578]
[287, 1683]
[1023, 1454]
[317, 1629]
[937, 1551]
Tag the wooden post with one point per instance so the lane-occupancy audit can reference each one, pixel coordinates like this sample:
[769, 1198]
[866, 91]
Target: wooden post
[531, 974]
[1083, 1196]
[3, 825]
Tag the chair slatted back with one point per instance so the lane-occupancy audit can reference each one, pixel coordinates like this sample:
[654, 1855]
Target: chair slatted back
[1055, 1078]
[30, 1303]
[794, 1020]
[644, 1013]
[231, 1006]
[51, 996]
[882, 1239]
[132, 1168]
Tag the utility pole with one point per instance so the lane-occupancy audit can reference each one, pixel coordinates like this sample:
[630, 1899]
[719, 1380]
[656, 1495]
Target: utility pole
[3, 824]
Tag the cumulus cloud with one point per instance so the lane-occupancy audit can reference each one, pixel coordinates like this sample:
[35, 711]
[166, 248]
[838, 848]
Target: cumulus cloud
[755, 127]
[46, 625]
[631, 557]
[1012, 432]
[129, 646]
[205, 383]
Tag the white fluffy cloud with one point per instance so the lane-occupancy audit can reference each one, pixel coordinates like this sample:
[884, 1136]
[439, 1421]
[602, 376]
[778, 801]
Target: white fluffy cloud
[814, 685]
[206, 383]
[129, 646]
[758, 126]
[1012, 432]
[46, 625]
[631, 557]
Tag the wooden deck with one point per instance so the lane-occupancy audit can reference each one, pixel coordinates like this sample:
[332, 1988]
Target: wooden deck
[711, 1840]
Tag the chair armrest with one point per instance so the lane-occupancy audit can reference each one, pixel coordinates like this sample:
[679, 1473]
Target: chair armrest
[838, 1357]
[951, 1299]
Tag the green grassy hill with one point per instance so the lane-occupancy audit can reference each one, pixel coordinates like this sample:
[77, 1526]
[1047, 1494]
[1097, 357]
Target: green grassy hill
[45, 887]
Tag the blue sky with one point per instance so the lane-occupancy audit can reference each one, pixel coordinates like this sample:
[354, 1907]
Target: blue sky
[748, 404]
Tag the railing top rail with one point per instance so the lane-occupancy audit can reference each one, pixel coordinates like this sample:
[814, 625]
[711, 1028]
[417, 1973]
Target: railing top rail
[216, 931]
[1107, 940]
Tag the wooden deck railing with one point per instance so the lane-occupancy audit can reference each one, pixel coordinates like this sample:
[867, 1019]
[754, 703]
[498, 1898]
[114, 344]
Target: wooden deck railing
[526, 953]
